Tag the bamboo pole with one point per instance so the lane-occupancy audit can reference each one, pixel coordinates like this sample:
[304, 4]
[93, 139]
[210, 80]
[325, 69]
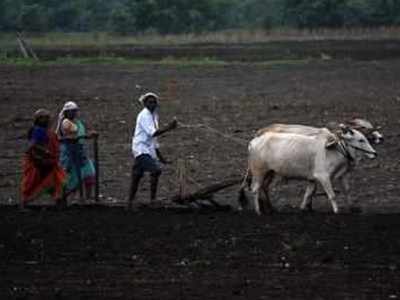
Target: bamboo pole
[182, 184]
[22, 47]
[27, 48]
[75, 159]
[96, 167]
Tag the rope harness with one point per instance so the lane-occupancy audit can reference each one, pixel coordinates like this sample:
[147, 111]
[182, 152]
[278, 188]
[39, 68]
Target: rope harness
[343, 149]
[240, 141]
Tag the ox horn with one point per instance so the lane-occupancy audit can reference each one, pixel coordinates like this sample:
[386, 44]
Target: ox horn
[345, 129]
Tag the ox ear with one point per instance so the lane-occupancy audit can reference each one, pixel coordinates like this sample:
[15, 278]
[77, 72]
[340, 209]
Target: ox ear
[331, 141]
[352, 123]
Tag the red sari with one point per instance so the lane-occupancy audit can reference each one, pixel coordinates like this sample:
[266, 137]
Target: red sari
[42, 176]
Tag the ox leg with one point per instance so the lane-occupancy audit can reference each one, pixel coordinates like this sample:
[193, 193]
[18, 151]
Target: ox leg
[258, 177]
[307, 199]
[257, 201]
[344, 177]
[255, 188]
[346, 188]
[242, 199]
[327, 186]
[265, 204]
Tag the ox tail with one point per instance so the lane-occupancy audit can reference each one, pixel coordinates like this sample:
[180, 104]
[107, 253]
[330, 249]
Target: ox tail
[245, 183]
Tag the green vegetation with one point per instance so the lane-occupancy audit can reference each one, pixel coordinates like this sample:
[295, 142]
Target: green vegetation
[186, 16]
[28, 62]
[206, 61]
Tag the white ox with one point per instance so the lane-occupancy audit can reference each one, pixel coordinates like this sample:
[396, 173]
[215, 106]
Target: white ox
[362, 125]
[296, 129]
[367, 129]
[317, 158]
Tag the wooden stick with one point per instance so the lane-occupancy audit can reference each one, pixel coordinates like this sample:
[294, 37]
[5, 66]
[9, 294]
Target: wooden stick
[22, 48]
[78, 173]
[182, 191]
[96, 167]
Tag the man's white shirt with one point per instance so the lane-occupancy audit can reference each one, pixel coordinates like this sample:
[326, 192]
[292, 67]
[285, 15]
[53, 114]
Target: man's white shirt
[143, 141]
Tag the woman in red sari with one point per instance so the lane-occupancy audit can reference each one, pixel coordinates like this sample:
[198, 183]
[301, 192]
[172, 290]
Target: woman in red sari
[42, 172]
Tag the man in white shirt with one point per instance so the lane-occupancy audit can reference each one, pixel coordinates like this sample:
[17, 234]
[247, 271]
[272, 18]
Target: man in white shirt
[145, 147]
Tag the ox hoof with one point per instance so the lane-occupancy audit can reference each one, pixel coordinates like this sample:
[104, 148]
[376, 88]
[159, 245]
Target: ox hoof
[258, 213]
[307, 209]
[269, 212]
[355, 209]
[265, 212]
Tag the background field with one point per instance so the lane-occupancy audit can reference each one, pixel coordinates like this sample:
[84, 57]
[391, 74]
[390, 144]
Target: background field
[106, 253]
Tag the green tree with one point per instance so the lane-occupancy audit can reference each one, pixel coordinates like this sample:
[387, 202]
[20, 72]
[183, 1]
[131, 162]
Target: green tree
[9, 12]
[144, 13]
[259, 13]
[64, 16]
[178, 16]
[33, 17]
[385, 12]
[121, 21]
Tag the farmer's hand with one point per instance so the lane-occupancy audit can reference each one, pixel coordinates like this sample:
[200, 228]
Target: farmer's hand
[173, 124]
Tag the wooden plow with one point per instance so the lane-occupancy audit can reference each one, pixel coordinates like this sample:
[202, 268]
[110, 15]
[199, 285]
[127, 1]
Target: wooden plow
[202, 196]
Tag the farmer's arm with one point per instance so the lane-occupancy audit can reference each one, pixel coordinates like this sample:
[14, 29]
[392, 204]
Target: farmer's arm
[170, 126]
[161, 157]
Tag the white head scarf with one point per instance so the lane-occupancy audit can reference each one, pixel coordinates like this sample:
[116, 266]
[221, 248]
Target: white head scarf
[70, 105]
[144, 96]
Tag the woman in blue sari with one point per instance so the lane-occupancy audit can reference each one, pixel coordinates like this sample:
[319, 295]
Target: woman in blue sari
[73, 153]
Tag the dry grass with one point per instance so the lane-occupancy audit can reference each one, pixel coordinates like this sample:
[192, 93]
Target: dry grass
[103, 39]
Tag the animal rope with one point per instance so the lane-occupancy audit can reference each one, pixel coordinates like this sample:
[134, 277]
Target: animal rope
[215, 131]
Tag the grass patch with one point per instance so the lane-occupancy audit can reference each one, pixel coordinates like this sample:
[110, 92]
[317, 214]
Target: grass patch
[284, 62]
[25, 62]
[122, 61]
[105, 39]
[108, 60]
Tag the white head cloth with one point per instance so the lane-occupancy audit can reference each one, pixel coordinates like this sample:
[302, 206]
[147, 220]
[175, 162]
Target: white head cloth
[70, 105]
[144, 96]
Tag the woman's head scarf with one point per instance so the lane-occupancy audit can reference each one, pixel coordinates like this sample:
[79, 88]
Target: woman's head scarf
[70, 105]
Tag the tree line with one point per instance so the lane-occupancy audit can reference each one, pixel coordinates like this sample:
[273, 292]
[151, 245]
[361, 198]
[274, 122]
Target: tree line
[183, 16]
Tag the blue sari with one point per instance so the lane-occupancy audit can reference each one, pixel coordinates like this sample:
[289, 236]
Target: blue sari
[74, 159]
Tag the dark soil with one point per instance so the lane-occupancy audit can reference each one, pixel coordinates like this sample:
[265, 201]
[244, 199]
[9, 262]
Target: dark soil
[106, 253]
[103, 252]
[249, 52]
